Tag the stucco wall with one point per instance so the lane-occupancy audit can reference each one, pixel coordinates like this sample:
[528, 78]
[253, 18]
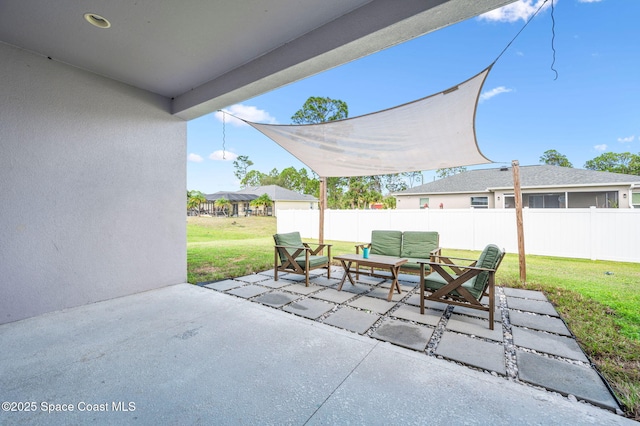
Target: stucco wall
[448, 201]
[496, 199]
[92, 183]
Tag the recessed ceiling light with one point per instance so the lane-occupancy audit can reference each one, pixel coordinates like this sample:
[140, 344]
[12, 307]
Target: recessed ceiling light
[97, 20]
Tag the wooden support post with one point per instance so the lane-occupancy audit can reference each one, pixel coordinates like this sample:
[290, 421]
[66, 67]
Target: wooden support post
[519, 221]
[323, 206]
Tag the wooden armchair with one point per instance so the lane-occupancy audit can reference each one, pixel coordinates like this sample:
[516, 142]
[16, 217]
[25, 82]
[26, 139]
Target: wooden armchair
[461, 285]
[293, 256]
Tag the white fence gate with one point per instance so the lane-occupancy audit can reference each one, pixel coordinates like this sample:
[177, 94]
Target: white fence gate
[604, 234]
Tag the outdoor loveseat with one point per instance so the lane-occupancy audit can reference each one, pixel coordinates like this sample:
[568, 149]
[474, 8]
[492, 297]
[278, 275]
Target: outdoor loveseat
[416, 246]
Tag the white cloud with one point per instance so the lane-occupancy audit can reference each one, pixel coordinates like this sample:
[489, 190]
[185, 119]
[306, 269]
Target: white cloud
[494, 92]
[246, 112]
[523, 9]
[602, 147]
[221, 155]
[589, 1]
[194, 158]
[627, 139]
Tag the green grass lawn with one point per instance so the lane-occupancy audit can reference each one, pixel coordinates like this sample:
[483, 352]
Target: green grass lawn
[599, 300]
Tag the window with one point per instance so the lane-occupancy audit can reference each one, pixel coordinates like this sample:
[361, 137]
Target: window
[607, 199]
[424, 203]
[635, 200]
[546, 201]
[480, 202]
[509, 201]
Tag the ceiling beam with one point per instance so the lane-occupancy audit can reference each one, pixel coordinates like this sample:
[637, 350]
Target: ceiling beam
[368, 29]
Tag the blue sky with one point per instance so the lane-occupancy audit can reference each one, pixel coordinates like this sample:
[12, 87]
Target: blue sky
[591, 108]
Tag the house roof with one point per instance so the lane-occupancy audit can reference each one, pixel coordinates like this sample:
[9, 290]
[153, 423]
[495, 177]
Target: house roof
[231, 196]
[277, 193]
[205, 55]
[537, 176]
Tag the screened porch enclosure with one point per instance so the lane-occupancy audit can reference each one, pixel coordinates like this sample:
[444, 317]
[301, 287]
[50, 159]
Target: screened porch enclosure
[562, 200]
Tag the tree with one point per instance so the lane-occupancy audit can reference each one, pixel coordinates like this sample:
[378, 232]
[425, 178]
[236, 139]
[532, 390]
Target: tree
[263, 201]
[389, 202]
[413, 177]
[194, 199]
[554, 158]
[312, 185]
[292, 179]
[319, 110]
[450, 171]
[223, 204]
[624, 162]
[252, 178]
[242, 164]
[394, 183]
[335, 192]
[361, 193]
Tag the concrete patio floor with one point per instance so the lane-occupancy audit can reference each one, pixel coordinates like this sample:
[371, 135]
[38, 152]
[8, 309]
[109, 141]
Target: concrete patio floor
[189, 355]
[530, 343]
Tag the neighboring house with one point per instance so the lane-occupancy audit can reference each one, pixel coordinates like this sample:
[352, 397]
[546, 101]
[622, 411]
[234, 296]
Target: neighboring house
[542, 186]
[283, 199]
[240, 203]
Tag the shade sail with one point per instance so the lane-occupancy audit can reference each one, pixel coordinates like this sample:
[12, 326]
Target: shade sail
[431, 133]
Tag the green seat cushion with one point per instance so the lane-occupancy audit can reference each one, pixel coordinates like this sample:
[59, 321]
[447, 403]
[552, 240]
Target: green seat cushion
[314, 261]
[419, 244]
[412, 263]
[386, 243]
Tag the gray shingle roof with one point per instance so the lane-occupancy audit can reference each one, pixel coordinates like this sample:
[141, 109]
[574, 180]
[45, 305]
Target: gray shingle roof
[277, 193]
[530, 176]
[231, 196]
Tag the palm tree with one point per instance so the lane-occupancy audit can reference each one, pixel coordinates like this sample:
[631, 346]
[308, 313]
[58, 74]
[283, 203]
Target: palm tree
[194, 200]
[223, 204]
[262, 201]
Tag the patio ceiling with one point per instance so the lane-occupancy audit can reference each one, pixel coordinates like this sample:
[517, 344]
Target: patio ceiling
[206, 55]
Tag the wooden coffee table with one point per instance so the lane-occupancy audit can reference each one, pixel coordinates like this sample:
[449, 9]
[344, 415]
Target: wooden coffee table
[376, 261]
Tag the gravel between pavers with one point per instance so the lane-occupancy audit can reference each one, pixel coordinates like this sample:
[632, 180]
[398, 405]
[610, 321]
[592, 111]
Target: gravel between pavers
[509, 347]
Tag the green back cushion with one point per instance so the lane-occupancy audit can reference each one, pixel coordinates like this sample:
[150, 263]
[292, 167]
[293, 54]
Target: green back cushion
[387, 243]
[291, 239]
[418, 244]
[489, 258]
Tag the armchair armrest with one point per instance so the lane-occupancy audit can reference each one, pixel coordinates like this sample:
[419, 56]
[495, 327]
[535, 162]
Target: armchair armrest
[459, 267]
[436, 252]
[302, 247]
[318, 248]
[291, 252]
[361, 246]
[451, 259]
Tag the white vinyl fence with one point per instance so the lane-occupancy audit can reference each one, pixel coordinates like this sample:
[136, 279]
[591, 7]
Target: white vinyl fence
[597, 234]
